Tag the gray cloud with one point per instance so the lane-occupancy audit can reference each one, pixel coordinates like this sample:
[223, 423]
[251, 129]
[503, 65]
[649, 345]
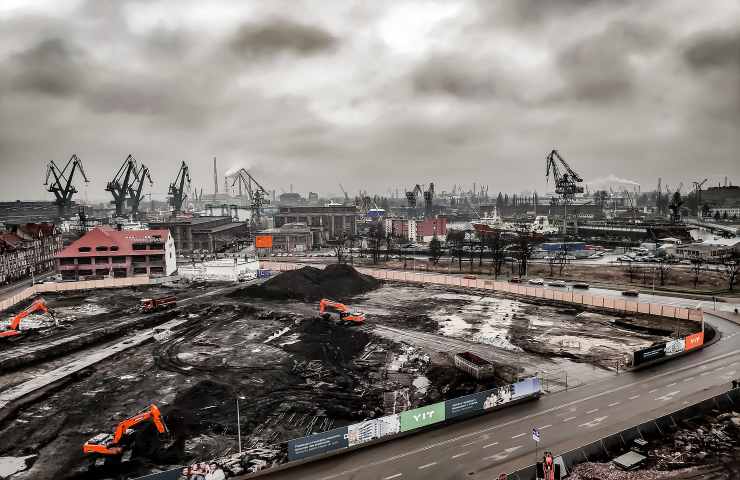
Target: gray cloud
[50, 67]
[455, 76]
[277, 35]
[716, 49]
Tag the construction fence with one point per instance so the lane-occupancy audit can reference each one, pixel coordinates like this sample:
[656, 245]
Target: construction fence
[82, 285]
[585, 299]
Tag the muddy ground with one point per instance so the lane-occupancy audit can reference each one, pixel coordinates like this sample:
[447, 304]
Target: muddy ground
[297, 373]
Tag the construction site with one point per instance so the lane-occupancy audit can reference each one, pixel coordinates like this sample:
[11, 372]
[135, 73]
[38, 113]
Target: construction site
[291, 363]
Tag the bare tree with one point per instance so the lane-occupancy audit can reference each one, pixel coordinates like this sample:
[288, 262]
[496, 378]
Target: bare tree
[525, 251]
[456, 242]
[435, 250]
[664, 269]
[375, 238]
[339, 246]
[496, 244]
[631, 270]
[731, 270]
[697, 266]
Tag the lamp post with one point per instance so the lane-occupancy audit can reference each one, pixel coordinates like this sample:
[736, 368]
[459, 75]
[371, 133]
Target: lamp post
[238, 424]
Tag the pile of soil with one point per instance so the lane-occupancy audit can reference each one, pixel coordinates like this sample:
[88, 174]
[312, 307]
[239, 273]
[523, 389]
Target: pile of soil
[336, 281]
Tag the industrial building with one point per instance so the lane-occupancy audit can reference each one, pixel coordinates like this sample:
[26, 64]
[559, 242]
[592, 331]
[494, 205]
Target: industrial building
[291, 237]
[28, 249]
[22, 212]
[105, 252]
[211, 234]
[331, 221]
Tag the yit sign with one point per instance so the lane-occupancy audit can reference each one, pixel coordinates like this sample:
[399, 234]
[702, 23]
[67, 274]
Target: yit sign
[421, 417]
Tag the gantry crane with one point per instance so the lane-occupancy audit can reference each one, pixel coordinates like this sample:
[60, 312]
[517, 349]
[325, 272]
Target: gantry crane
[62, 186]
[177, 189]
[137, 188]
[566, 182]
[120, 186]
[257, 194]
[412, 195]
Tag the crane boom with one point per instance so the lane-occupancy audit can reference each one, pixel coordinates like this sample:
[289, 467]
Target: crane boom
[177, 188]
[62, 186]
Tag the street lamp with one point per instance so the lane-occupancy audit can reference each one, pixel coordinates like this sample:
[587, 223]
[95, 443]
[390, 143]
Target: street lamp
[239, 424]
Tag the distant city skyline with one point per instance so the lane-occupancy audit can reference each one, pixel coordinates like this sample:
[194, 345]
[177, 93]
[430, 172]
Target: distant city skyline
[373, 95]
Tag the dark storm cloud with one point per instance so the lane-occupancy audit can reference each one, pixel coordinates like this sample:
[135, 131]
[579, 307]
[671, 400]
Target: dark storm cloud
[277, 35]
[454, 76]
[533, 13]
[713, 50]
[51, 67]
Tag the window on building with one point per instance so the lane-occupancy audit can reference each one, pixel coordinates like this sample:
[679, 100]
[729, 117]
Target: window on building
[156, 246]
[101, 248]
[156, 270]
[119, 259]
[114, 248]
[139, 246]
[119, 272]
[156, 258]
[83, 249]
[84, 261]
[101, 260]
[102, 271]
[85, 273]
[139, 258]
[140, 271]
[69, 275]
[66, 261]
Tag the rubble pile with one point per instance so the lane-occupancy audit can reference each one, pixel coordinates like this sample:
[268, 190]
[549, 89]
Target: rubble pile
[336, 281]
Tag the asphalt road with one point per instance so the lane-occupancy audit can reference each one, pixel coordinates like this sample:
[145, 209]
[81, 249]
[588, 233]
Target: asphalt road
[485, 446]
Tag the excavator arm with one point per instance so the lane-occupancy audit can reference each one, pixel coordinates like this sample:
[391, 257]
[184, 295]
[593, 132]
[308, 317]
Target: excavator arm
[106, 444]
[38, 305]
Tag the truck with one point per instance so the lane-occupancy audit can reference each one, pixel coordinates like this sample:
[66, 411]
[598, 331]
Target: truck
[155, 304]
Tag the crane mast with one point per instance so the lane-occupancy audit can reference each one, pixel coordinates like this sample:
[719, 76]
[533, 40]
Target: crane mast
[62, 186]
[120, 186]
[177, 189]
[140, 176]
[258, 196]
[567, 181]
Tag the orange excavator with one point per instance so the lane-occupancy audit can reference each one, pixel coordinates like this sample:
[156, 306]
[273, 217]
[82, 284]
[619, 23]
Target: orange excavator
[328, 307]
[37, 306]
[114, 445]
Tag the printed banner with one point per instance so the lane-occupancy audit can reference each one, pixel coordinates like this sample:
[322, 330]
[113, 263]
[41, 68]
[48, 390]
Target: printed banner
[263, 241]
[526, 387]
[674, 346]
[421, 417]
[317, 443]
[465, 405]
[648, 354]
[370, 430]
[694, 341]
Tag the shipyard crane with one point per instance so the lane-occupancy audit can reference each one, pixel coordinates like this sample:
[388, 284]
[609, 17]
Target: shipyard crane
[346, 197]
[62, 186]
[566, 181]
[120, 186]
[137, 187]
[177, 188]
[412, 195]
[257, 194]
[429, 200]
[697, 189]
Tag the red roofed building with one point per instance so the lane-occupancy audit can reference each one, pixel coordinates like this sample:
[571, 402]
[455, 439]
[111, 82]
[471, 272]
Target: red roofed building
[104, 252]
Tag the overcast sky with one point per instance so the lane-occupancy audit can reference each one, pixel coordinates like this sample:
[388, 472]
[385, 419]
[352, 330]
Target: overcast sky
[371, 94]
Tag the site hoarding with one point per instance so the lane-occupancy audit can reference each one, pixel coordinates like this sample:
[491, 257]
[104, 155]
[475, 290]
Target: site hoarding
[373, 429]
[466, 405]
[422, 416]
[694, 341]
[674, 346]
[649, 354]
[263, 241]
[317, 443]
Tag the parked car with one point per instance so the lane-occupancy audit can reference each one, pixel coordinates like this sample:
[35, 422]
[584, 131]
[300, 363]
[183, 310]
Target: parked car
[630, 293]
[581, 285]
[470, 277]
[515, 280]
[557, 283]
[537, 281]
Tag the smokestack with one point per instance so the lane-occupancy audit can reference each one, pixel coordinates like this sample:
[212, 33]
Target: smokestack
[215, 178]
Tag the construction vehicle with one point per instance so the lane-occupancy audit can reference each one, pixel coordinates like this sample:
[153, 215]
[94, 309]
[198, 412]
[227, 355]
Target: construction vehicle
[13, 329]
[162, 303]
[329, 307]
[115, 444]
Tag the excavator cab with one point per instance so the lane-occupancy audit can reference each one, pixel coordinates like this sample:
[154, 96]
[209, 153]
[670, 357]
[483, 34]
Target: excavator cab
[115, 444]
[13, 329]
[328, 307]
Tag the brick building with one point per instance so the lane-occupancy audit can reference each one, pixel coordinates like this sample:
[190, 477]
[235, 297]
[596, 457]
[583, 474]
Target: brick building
[26, 249]
[105, 252]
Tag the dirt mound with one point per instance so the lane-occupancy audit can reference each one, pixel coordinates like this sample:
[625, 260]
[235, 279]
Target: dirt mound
[336, 281]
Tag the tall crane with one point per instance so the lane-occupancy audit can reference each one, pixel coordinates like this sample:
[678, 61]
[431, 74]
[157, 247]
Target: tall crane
[120, 186]
[137, 188]
[412, 195]
[697, 189]
[346, 197]
[258, 196]
[429, 200]
[62, 186]
[566, 181]
[177, 188]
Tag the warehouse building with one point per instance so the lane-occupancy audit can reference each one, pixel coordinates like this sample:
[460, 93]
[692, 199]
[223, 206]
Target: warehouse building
[105, 252]
[209, 234]
[291, 237]
[329, 221]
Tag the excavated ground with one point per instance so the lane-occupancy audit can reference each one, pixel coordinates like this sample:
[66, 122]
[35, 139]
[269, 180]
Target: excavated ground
[297, 373]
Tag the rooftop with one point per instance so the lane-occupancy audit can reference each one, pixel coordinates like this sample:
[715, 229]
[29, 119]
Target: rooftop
[105, 241]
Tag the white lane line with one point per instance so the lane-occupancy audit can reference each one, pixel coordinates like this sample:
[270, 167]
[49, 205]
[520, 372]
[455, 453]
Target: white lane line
[468, 444]
[530, 416]
[393, 476]
[653, 390]
[688, 379]
[613, 404]
[705, 373]
[459, 455]
[504, 454]
[671, 384]
[668, 396]
[593, 422]
[731, 372]
[546, 426]
[592, 411]
[634, 397]
[517, 436]
[490, 445]
[427, 465]
[568, 419]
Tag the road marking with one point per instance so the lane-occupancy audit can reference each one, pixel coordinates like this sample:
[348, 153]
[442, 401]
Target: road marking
[688, 379]
[593, 422]
[468, 444]
[614, 404]
[731, 372]
[546, 426]
[592, 411]
[490, 445]
[504, 454]
[393, 476]
[499, 426]
[568, 419]
[653, 390]
[671, 384]
[705, 373]
[460, 455]
[427, 465]
[634, 397]
[517, 436]
[668, 396]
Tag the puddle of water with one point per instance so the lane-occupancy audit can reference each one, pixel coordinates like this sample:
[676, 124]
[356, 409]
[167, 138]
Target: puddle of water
[12, 465]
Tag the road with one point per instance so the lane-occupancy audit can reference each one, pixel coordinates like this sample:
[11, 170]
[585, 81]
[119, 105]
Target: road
[485, 446]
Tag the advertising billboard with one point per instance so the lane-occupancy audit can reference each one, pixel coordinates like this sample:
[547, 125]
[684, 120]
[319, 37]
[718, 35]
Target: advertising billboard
[371, 429]
[525, 388]
[648, 354]
[466, 405]
[674, 346]
[423, 416]
[263, 241]
[317, 443]
[693, 341]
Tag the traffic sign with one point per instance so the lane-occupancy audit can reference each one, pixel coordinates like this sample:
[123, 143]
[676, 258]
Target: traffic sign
[536, 435]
